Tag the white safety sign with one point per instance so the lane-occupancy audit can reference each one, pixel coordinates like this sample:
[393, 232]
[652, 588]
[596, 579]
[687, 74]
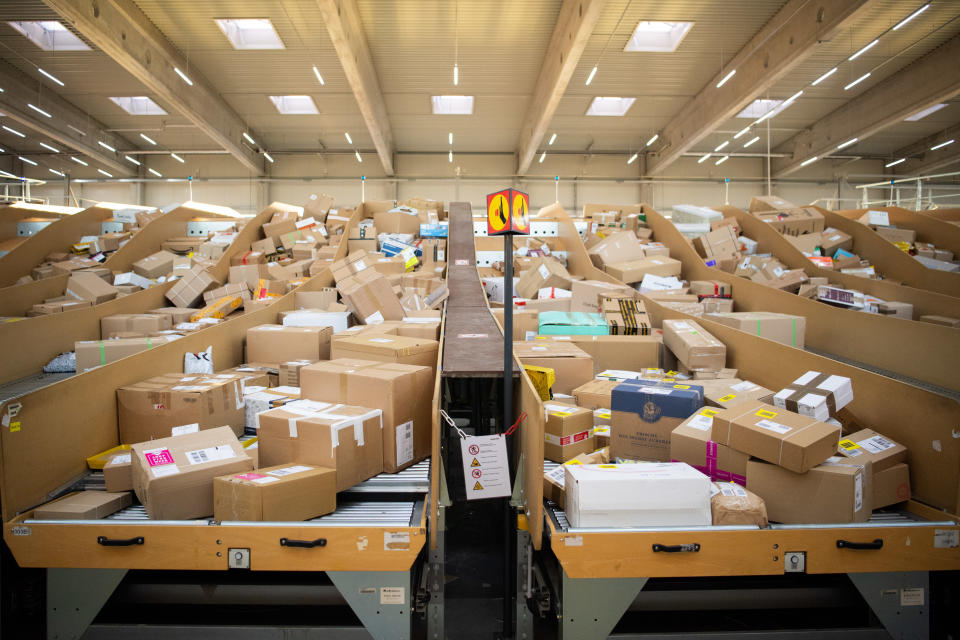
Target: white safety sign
[486, 473]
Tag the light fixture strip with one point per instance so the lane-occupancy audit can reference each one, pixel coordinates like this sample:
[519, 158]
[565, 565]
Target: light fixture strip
[912, 16]
[941, 145]
[183, 76]
[894, 163]
[50, 148]
[653, 139]
[133, 160]
[106, 146]
[316, 72]
[864, 50]
[810, 161]
[722, 160]
[723, 81]
[844, 145]
[721, 145]
[51, 76]
[593, 72]
[857, 81]
[148, 139]
[741, 132]
[268, 157]
[632, 158]
[750, 142]
[703, 158]
[177, 158]
[824, 77]
[39, 110]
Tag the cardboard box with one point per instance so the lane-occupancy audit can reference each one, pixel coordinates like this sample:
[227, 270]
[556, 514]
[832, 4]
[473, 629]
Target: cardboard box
[716, 305]
[585, 294]
[711, 288]
[345, 438]
[83, 505]
[229, 289]
[176, 314]
[94, 353]
[893, 234]
[549, 273]
[793, 222]
[662, 495]
[693, 346]
[814, 394]
[781, 437]
[626, 317]
[370, 297]
[571, 324]
[87, 286]
[152, 408]
[219, 309]
[526, 323]
[266, 246]
[284, 493]
[732, 504]
[620, 352]
[595, 394]
[941, 320]
[836, 492]
[727, 393]
[143, 323]
[189, 289]
[118, 473]
[568, 431]
[388, 348]
[277, 229]
[779, 327]
[256, 401]
[173, 477]
[891, 486]
[248, 257]
[274, 343]
[645, 413]
[618, 247]
[896, 309]
[554, 479]
[693, 441]
[572, 366]
[720, 243]
[154, 265]
[289, 372]
[866, 444]
[769, 203]
[251, 274]
[404, 393]
[634, 270]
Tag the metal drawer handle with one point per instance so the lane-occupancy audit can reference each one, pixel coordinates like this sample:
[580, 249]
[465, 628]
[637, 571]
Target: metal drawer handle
[303, 544]
[676, 548]
[107, 542]
[846, 544]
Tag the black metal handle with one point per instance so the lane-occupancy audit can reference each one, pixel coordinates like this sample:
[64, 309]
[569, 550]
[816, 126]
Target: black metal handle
[846, 544]
[303, 544]
[676, 548]
[107, 542]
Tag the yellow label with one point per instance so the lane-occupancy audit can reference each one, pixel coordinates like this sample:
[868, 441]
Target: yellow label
[669, 380]
[603, 414]
[849, 445]
[709, 413]
[728, 398]
[681, 386]
[572, 462]
[606, 466]
[673, 373]
[763, 413]
[540, 338]
[562, 414]
[14, 426]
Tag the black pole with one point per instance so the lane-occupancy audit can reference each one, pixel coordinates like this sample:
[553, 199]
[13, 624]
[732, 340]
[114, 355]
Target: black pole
[507, 331]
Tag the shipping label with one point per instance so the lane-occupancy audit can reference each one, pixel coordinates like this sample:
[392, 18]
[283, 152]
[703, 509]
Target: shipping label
[210, 454]
[776, 427]
[404, 437]
[876, 444]
[286, 471]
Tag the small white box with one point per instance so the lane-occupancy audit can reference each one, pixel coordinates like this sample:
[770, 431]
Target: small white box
[668, 494]
[336, 319]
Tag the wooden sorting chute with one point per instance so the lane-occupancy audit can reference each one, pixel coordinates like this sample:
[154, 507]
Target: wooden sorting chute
[929, 228]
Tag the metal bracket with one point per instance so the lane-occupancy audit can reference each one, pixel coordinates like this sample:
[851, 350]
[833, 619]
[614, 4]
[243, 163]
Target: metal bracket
[523, 629]
[591, 607]
[795, 562]
[436, 582]
[75, 597]
[899, 599]
[381, 599]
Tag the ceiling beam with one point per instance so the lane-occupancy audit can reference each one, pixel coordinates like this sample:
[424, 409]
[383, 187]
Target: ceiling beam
[346, 32]
[122, 31]
[931, 79]
[787, 39]
[922, 161]
[570, 37]
[69, 125]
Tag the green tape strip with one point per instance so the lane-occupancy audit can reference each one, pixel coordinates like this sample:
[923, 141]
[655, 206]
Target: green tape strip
[103, 355]
[149, 343]
[758, 327]
[794, 322]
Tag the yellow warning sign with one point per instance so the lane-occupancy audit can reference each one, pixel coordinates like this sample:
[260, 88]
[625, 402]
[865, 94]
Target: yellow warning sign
[498, 212]
[478, 486]
[475, 463]
[520, 208]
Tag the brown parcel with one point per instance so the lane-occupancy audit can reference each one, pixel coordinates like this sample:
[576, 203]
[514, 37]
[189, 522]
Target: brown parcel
[526, 323]
[93, 353]
[402, 392]
[155, 265]
[285, 493]
[892, 485]
[733, 504]
[549, 273]
[694, 347]
[795, 442]
[622, 246]
[634, 270]
[628, 353]
[87, 286]
[370, 297]
[727, 393]
[118, 473]
[585, 294]
[345, 438]
[143, 323]
[568, 432]
[595, 394]
[836, 492]
[572, 365]
[891, 477]
[151, 408]
[274, 343]
[388, 348]
[699, 443]
[779, 327]
[177, 314]
[84, 505]
[173, 477]
[189, 289]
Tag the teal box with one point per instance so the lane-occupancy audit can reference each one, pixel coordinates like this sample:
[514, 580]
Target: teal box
[562, 323]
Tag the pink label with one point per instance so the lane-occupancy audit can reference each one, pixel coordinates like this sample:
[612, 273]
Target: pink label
[250, 476]
[158, 457]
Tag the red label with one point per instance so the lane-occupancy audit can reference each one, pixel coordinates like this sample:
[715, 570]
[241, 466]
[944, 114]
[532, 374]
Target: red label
[576, 437]
[250, 476]
[158, 457]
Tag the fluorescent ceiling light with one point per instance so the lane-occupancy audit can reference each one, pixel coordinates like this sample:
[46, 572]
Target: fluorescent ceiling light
[250, 33]
[723, 80]
[856, 82]
[357, 153]
[183, 76]
[894, 163]
[50, 148]
[810, 161]
[632, 158]
[14, 131]
[658, 36]
[109, 175]
[349, 139]
[106, 146]
[721, 145]
[941, 145]
[824, 76]
[44, 113]
[864, 50]
[450, 156]
[553, 139]
[844, 145]
[450, 138]
[722, 160]
[741, 132]
[268, 157]
[294, 105]
[51, 76]
[133, 160]
[452, 105]
[79, 161]
[246, 136]
[316, 72]
[456, 76]
[610, 106]
[56, 172]
[155, 172]
[139, 106]
[78, 131]
[923, 114]
[593, 72]
[148, 139]
[50, 35]
[912, 16]
[653, 139]
[703, 158]
[28, 160]
[177, 158]
[750, 142]
[758, 108]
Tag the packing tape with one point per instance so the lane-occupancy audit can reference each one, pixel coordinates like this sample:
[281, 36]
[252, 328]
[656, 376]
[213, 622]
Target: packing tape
[103, 355]
[793, 433]
[149, 343]
[292, 424]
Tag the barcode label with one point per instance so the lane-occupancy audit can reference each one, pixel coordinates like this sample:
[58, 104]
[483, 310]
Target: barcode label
[770, 425]
[404, 434]
[286, 471]
[876, 444]
[210, 454]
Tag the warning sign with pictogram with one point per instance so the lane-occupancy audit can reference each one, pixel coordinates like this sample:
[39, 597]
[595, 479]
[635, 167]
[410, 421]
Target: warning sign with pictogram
[508, 213]
[485, 457]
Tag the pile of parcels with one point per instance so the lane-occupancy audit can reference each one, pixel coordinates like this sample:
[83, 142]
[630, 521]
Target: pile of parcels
[320, 407]
[906, 240]
[706, 447]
